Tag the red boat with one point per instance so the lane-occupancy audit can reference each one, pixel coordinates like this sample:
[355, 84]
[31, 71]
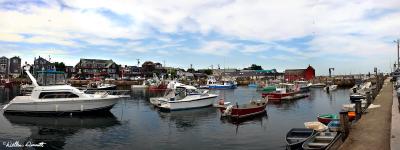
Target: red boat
[245, 110]
[326, 118]
[283, 91]
[161, 86]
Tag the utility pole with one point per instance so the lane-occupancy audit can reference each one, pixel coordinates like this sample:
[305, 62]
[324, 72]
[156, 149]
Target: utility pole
[138, 62]
[398, 56]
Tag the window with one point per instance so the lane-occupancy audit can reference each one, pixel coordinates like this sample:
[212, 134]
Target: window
[48, 95]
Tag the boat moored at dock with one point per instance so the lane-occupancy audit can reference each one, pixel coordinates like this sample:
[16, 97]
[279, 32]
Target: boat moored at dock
[321, 140]
[297, 136]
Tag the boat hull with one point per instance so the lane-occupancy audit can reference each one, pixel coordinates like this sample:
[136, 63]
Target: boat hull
[194, 102]
[69, 106]
[277, 96]
[221, 86]
[354, 97]
[325, 119]
[157, 88]
[297, 136]
[321, 141]
[244, 113]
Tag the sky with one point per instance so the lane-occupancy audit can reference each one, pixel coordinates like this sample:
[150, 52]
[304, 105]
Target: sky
[351, 36]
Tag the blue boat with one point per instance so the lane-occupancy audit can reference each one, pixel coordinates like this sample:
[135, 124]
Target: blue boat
[213, 84]
[253, 85]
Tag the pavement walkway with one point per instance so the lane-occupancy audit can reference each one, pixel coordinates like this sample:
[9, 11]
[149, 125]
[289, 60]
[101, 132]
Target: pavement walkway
[372, 131]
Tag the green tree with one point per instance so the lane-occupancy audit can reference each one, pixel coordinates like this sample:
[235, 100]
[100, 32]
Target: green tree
[208, 72]
[254, 67]
[60, 66]
[190, 70]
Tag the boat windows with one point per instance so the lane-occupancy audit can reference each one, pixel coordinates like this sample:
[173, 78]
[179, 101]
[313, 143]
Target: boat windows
[48, 95]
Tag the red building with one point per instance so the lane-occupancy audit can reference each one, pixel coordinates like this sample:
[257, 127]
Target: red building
[300, 74]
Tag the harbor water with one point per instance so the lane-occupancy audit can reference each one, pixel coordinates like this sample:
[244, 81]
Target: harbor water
[135, 124]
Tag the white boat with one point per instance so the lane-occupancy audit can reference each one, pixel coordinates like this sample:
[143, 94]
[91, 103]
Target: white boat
[330, 88]
[184, 97]
[59, 99]
[303, 85]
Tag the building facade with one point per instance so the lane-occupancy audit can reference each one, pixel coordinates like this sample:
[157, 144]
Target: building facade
[15, 66]
[300, 74]
[4, 66]
[41, 64]
[91, 68]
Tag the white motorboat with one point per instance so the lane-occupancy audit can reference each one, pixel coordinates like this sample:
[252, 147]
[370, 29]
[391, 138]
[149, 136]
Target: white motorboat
[59, 99]
[184, 97]
[330, 88]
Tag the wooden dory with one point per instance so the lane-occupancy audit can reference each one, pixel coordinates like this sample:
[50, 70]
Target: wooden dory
[246, 110]
[296, 137]
[320, 141]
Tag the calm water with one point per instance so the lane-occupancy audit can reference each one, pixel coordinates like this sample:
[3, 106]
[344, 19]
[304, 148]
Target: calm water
[134, 124]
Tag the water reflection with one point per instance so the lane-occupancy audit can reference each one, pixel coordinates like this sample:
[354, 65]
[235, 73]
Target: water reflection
[54, 130]
[242, 121]
[186, 119]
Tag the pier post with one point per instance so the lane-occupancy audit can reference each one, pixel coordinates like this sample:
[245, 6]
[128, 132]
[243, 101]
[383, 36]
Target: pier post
[344, 124]
[358, 109]
[368, 98]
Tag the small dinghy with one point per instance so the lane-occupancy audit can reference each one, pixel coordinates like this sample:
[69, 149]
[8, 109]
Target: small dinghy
[326, 118]
[320, 141]
[334, 126]
[245, 110]
[296, 137]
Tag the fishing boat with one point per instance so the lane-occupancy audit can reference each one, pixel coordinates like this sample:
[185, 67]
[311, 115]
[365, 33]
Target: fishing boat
[326, 118]
[254, 107]
[283, 90]
[225, 84]
[330, 88]
[155, 84]
[321, 140]
[297, 136]
[59, 99]
[359, 91]
[269, 89]
[303, 85]
[184, 97]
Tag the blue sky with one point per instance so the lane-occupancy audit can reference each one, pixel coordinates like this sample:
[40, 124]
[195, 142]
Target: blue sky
[351, 36]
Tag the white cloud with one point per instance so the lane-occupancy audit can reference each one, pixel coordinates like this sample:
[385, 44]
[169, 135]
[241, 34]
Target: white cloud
[337, 27]
[220, 48]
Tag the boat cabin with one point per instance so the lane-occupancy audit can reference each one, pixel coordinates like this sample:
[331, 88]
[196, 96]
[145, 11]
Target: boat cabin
[56, 92]
[285, 88]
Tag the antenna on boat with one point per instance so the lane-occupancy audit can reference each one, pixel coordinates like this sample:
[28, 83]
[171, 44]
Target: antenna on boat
[34, 82]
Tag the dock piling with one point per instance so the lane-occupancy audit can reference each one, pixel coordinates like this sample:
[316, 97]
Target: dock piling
[344, 124]
[369, 100]
[358, 109]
